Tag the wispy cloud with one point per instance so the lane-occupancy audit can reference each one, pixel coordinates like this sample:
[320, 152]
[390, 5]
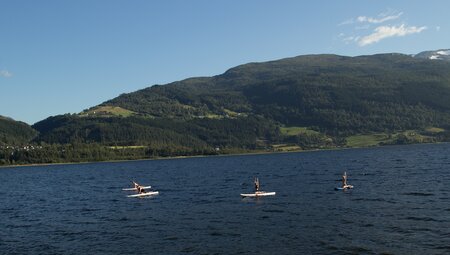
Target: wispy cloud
[438, 28]
[5, 73]
[384, 32]
[382, 18]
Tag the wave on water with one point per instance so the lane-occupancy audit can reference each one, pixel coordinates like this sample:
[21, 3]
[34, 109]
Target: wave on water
[414, 218]
[273, 210]
[364, 199]
[421, 194]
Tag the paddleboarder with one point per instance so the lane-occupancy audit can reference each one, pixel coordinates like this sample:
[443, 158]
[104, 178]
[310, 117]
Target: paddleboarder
[344, 180]
[256, 184]
[138, 188]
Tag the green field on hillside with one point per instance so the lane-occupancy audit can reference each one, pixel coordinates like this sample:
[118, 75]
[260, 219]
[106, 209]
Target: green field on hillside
[435, 130]
[368, 140]
[127, 147]
[292, 131]
[285, 147]
[107, 111]
[408, 136]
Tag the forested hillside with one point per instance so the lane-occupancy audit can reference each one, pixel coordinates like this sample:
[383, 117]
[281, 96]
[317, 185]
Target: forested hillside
[337, 95]
[190, 135]
[15, 132]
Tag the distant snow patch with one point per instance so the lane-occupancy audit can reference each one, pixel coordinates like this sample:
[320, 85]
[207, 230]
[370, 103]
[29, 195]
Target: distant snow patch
[434, 57]
[444, 52]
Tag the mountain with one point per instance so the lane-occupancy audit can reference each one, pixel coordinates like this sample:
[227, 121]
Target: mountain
[443, 54]
[296, 82]
[310, 100]
[15, 132]
[335, 93]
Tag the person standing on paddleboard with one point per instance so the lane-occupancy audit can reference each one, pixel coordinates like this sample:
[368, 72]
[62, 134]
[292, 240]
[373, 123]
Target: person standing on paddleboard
[344, 180]
[256, 184]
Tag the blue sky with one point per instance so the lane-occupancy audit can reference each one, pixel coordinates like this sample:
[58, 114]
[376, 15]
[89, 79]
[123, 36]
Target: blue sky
[61, 57]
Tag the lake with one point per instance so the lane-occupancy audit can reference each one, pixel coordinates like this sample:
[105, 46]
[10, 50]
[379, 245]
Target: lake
[400, 205]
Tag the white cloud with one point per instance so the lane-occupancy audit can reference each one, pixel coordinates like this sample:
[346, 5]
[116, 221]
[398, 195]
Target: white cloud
[383, 18]
[5, 73]
[384, 32]
[438, 28]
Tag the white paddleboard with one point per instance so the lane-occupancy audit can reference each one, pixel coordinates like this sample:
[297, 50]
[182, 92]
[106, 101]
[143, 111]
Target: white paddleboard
[144, 187]
[259, 194]
[151, 193]
[344, 188]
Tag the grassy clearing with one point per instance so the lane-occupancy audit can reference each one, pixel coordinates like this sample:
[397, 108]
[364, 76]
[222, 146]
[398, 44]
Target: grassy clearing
[416, 137]
[185, 106]
[409, 136]
[227, 114]
[368, 140]
[230, 113]
[213, 116]
[286, 147]
[293, 131]
[434, 130]
[233, 114]
[127, 147]
[108, 111]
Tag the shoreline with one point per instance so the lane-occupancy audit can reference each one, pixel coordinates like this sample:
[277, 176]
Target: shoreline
[205, 156]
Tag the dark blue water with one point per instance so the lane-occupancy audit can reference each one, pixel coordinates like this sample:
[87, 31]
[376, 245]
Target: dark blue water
[400, 205]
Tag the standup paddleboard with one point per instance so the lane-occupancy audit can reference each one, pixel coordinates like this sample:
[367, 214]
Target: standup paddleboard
[259, 194]
[344, 188]
[151, 193]
[144, 187]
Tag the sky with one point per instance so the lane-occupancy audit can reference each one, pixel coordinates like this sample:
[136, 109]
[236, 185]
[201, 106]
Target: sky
[60, 57]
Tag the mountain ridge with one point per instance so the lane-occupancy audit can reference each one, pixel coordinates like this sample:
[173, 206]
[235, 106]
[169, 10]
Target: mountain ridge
[242, 76]
[337, 95]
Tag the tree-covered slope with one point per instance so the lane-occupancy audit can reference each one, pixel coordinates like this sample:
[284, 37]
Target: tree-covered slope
[194, 134]
[333, 93]
[15, 132]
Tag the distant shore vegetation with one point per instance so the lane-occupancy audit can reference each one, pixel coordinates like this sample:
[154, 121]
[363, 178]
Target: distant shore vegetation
[290, 139]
